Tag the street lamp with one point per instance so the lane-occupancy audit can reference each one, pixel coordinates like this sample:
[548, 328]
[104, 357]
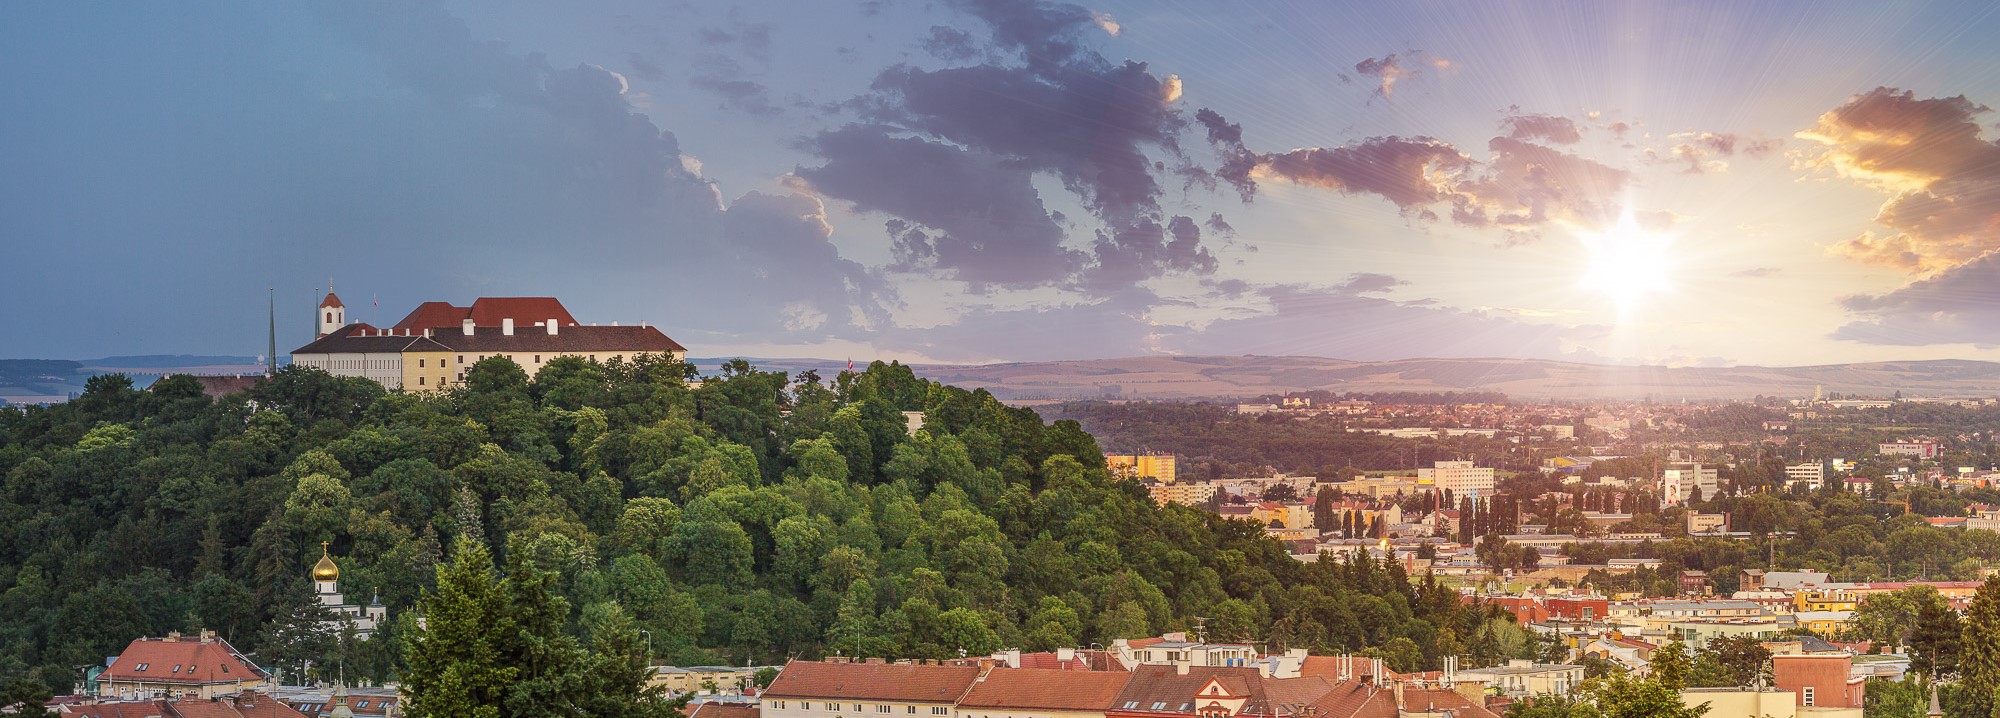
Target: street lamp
[649, 645]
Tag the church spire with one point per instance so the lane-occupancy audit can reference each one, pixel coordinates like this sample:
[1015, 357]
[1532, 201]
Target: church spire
[271, 304]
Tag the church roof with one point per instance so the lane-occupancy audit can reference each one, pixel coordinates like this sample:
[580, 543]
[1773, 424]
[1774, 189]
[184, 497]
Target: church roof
[331, 300]
[326, 569]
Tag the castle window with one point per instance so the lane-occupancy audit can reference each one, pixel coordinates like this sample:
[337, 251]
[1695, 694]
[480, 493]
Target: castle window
[461, 358]
[538, 358]
[420, 381]
[420, 363]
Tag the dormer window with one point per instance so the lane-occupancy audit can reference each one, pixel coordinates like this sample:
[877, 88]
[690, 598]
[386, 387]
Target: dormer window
[140, 667]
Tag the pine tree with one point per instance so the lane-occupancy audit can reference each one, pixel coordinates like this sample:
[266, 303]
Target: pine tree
[1670, 665]
[456, 665]
[1979, 654]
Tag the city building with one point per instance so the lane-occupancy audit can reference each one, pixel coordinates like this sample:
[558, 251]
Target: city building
[1186, 494]
[433, 347]
[1522, 678]
[1159, 467]
[1811, 475]
[1681, 483]
[1700, 523]
[1824, 684]
[1461, 478]
[245, 704]
[177, 666]
[843, 689]
[1042, 693]
[1919, 449]
[357, 702]
[704, 680]
[326, 583]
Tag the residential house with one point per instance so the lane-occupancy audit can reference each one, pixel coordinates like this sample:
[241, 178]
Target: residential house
[871, 689]
[1042, 693]
[202, 666]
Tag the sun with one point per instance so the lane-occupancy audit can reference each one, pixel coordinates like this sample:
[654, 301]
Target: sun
[1627, 264]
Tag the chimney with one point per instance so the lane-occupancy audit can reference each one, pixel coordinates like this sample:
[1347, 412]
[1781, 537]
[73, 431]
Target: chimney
[1399, 696]
[1065, 655]
[1180, 669]
[466, 326]
[507, 327]
[552, 327]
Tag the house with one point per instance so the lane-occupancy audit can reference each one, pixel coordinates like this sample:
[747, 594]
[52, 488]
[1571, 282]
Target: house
[1042, 693]
[1521, 678]
[844, 689]
[1157, 691]
[704, 680]
[247, 704]
[1824, 683]
[315, 703]
[176, 666]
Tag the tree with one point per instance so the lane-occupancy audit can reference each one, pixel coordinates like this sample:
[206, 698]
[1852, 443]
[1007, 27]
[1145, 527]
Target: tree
[1671, 666]
[457, 661]
[1934, 645]
[1979, 655]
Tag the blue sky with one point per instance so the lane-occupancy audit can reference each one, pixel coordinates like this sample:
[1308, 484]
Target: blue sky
[976, 180]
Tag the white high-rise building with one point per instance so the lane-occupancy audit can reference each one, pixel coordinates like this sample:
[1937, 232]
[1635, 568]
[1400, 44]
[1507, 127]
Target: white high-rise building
[1462, 478]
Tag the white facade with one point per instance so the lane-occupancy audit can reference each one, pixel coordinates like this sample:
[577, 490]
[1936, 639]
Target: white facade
[1461, 478]
[1812, 475]
[385, 368]
[1679, 482]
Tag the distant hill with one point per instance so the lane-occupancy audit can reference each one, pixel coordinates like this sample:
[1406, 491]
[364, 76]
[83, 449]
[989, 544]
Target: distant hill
[1165, 377]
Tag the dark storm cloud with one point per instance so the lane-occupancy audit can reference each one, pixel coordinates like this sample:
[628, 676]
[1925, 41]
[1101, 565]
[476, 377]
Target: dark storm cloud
[772, 252]
[1930, 156]
[1051, 107]
[1548, 128]
[987, 225]
[950, 44]
[1959, 306]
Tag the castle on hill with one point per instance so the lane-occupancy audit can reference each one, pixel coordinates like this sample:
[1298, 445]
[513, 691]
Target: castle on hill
[433, 347]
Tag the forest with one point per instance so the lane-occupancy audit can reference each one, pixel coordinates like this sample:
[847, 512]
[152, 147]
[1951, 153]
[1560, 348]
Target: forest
[749, 516]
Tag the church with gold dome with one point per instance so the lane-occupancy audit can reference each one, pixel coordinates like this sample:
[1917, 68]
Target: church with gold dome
[326, 580]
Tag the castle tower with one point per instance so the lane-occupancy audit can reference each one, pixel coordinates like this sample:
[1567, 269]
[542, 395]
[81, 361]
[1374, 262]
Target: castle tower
[332, 314]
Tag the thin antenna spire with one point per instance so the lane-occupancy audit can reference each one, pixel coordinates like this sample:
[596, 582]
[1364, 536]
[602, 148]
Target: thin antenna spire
[271, 302]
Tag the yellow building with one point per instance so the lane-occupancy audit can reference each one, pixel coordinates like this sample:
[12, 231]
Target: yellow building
[1824, 623]
[1159, 467]
[1820, 599]
[433, 347]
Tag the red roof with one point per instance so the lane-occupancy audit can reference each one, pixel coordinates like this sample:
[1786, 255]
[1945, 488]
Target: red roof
[717, 709]
[331, 300]
[487, 312]
[1046, 689]
[185, 659]
[1329, 667]
[1083, 661]
[896, 682]
[248, 704]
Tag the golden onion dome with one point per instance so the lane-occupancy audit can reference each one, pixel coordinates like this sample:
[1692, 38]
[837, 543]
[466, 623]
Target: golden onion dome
[325, 570]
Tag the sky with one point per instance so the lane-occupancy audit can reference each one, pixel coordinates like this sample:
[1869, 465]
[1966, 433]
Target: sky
[1721, 183]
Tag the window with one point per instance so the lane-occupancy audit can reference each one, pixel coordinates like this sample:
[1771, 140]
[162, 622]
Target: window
[857, 707]
[225, 668]
[141, 667]
[176, 669]
[780, 705]
[420, 363]
[881, 709]
[461, 358]
[538, 358]
[939, 710]
[420, 381]
[913, 709]
[1809, 696]
[363, 704]
[1159, 705]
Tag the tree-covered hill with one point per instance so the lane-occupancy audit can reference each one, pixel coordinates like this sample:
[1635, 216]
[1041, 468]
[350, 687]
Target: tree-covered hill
[749, 517]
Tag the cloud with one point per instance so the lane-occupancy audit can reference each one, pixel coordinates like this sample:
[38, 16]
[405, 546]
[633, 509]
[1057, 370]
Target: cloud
[1050, 107]
[1961, 305]
[1549, 128]
[1696, 151]
[1412, 173]
[1757, 272]
[1385, 71]
[725, 78]
[1520, 186]
[1929, 155]
[1238, 162]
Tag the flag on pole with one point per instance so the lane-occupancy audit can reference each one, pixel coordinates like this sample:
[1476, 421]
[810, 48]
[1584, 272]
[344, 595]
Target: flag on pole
[850, 363]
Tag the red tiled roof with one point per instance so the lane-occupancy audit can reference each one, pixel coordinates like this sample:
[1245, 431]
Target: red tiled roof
[1354, 699]
[1328, 667]
[248, 704]
[487, 312]
[433, 315]
[127, 709]
[1175, 692]
[1084, 661]
[900, 682]
[1046, 689]
[717, 709]
[355, 339]
[188, 660]
[1428, 700]
[331, 300]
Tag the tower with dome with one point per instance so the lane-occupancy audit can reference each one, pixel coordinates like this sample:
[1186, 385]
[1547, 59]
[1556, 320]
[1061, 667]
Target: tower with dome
[326, 582]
